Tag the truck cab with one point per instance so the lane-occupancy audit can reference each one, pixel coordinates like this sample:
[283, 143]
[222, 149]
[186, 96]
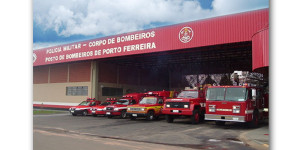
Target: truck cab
[85, 107]
[150, 106]
[189, 103]
[98, 109]
[235, 104]
[119, 108]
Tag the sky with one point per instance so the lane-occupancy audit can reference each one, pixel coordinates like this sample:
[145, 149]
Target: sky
[57, 22]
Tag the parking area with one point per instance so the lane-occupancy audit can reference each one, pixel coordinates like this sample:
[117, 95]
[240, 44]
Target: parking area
[181, 133]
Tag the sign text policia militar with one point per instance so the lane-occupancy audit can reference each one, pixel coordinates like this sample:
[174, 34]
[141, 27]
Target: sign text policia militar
[103, 51]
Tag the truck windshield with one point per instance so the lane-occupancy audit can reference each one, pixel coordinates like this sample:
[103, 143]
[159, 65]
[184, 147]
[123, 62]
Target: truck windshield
[215, 94]
[148, 100]
[188, 94]
[84, 103]
[235, 94]
[122, 102]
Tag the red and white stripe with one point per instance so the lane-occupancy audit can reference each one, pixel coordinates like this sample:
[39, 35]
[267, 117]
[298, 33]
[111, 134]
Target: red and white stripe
[60, 105]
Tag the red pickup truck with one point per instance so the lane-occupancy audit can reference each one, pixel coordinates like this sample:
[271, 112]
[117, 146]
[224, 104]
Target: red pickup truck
[120, 107]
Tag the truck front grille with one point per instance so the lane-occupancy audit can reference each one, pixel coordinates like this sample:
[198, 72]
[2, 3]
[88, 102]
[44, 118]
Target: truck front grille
[135, 109]
[178, 104]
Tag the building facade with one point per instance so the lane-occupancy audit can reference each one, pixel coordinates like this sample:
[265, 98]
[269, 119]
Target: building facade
[169, 58]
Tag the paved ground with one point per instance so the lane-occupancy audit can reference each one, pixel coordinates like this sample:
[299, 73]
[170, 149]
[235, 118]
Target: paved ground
[49, 131]
[257, 138]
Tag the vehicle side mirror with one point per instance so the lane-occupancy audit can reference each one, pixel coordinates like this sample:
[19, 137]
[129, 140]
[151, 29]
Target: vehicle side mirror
[254, 94]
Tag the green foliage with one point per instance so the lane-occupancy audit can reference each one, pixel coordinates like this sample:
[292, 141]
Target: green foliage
[42, 112]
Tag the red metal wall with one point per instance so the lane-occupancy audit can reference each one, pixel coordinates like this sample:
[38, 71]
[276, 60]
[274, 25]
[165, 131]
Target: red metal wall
[213, 31]
[58, 73]
[260, 49]
[80, 72]
[40, 74]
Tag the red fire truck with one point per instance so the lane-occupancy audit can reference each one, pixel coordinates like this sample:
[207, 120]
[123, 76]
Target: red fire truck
[98, 110]
[150, 106]
[84, 108]
[119, 108]
[189, 103]
[245, 103]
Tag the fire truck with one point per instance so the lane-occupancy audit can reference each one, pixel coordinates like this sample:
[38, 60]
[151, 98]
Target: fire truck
[150, 106]
[189, 103]
[98, 110]
[243, 102]
[84, 108]
[119, 108]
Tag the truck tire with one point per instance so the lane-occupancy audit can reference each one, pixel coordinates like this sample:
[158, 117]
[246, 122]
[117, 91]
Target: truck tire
[255, 120]
[84, 113]
[123, 114]
[202, 116]
[169, 118]
[195, 118]
[150, 115]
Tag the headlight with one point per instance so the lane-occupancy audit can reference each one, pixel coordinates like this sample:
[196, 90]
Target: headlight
[186, 106]
[212, 108]
[266, 109]
[104, 108]
[116, 109]
[168, 105]
[128, 108]
[236, 109]
[143, 109]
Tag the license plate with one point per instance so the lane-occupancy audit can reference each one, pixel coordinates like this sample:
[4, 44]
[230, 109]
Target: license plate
[72, 111]
[108, 113]
[135, 115]
[176, 111]
[93, 111]
[234, 118]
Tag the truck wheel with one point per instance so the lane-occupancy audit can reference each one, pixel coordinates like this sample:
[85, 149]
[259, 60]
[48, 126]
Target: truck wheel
[195, 117]
[255, 120]
[202, 116]
[84, 113]
[220, 123]
[169, 118]
[123, 114]
[150, 115]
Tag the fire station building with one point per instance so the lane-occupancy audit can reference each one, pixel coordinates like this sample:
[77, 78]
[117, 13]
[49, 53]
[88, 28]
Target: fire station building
[169, 58]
